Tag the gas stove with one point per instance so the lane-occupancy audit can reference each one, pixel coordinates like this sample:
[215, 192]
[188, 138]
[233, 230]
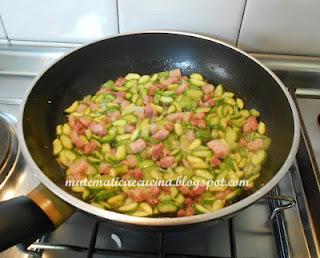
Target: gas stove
[283, 224]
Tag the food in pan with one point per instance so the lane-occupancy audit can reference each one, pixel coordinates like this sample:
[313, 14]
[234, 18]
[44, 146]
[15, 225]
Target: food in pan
[159, 128]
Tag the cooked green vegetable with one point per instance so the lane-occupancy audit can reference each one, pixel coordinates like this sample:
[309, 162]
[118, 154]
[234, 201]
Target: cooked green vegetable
[161, 126]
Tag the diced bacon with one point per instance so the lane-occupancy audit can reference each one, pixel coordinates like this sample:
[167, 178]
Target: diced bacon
[189, 211]
[138, 195]
[186, 163]
[215, 162]
[175, 116]
[97, 129]
[169, 126]
[90, 147]
[153, 128]
[85, 121]
[250, 125]
[242, 142]
[93, 106]
[165, 152]
[129, 128]
[206, 98]
[222, 195]
[137, 146]
[209, 103]
[156, 151]
[165, 189]
[71, 121]
[76, 125]
[120, 81]
[198, 120]
[181, 89]
[131, 161]
[103, 91]
[106, 119]
[190, 135]
[125, 103]
[81, 108]
[152, 90]
[137, 174]
[78, 169]
[80, 128]
[147, 99]
[255, 145]
[76, 140]
[141, 116]
[161, 134]
[199, 190]
[148, 111]
[127, 176]
[208, 89]
[104, 169]
[114, 115]
[153, 191]
[220, 149]
[175, 73]
[181, 213]
[185, 191]
[194, 122]
[119, 97]
[119, 94]
[170, 80]
[167, 162]
[202, 123]
[187, 116]
[188, 201]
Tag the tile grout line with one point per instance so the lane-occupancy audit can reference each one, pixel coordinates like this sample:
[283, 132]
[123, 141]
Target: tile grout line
[241, 21]
[118, 15]
[5, 30]
[30, 42]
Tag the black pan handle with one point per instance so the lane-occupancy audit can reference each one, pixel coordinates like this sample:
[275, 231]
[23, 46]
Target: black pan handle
[21, 221]
[26, 218]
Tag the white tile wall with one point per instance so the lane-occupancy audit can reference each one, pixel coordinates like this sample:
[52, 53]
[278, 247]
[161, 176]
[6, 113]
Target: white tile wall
[281, 26]
[218, 18]
[59, 20]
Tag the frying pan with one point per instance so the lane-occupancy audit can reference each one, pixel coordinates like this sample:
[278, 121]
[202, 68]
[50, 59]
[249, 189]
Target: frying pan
[82, 71]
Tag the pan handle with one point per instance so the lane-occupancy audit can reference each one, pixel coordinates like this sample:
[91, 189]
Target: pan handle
[24, 219]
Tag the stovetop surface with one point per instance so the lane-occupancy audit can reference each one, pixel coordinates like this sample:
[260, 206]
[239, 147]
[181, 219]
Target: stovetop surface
[249, 234]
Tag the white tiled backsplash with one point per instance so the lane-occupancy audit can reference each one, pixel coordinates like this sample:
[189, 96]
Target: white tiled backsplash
[72, 21]
[273, 26]
[217, 18]
[281, 26]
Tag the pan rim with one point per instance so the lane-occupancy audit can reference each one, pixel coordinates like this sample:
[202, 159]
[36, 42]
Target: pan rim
[166, 221]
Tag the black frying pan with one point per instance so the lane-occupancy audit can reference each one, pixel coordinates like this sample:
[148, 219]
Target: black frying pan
[84, 70]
